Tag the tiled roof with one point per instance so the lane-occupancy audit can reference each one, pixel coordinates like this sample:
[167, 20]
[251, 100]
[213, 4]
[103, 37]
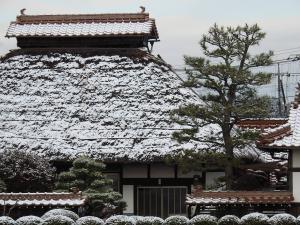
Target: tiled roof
[261, 124]
[286, 135]
[96, 25]
[42, 199]
[200, 197]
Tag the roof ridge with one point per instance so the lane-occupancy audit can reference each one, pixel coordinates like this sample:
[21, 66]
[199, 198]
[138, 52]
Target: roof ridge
[73, 18]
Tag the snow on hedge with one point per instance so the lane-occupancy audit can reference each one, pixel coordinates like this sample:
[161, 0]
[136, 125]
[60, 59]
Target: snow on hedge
[120, 220]
[255, 219]
[29, 220]
[283, 219]
[229, 220]
[6, 220]
[58, 220]
[204, 220]
[62, 212]
[176, 220]
[149, 220]
[89, 220]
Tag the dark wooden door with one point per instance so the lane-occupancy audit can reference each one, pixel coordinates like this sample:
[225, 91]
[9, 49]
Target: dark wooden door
[161, 201]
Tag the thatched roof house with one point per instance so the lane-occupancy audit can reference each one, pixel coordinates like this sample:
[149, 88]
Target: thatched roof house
[88, 85]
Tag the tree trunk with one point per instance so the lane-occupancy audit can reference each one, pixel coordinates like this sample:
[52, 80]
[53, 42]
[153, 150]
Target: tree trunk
[229, 157]
[229, 175]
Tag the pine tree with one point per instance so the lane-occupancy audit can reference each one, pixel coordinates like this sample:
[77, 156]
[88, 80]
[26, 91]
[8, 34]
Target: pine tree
[227, 91]
[86, 175]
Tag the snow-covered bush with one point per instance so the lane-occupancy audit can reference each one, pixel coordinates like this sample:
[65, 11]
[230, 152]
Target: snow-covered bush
[89, 220]
[229, 220]
[5, 220]
[120, 220]
[298, 220]
[283, 219]
[58, 220]
[149, 220]
[29, 220]
[203, 220]
[176, 220]
[61, 212]
[255, 219]
[136, 218]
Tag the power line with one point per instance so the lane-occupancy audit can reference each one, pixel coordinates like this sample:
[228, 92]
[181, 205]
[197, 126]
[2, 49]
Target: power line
[287, 49]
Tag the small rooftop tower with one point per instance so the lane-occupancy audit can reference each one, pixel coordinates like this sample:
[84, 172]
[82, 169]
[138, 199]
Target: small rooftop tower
[130, 30]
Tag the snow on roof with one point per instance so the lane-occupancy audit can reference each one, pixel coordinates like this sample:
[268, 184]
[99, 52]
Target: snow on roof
[286, 135]
[78, 29]
[113, 106]
[200, 197]
[83, 25]
[42, 199]
[109, 104]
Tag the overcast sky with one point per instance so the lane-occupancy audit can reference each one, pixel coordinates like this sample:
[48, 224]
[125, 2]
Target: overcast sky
[180, 22]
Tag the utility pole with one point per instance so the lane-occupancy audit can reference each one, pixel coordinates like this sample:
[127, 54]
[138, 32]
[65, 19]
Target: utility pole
[279, 89]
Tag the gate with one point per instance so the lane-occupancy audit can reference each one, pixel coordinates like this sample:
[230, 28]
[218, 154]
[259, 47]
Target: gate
[161, 201]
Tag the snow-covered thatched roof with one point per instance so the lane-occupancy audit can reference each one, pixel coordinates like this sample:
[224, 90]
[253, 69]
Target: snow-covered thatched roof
[111, 104]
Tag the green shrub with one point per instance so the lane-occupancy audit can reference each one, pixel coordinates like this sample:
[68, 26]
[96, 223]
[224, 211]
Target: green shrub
[176, 220]
[29, 220]
[255, 219]
[283, 219]
[5, 220]
[203, 220]
[229, 220]
[61, 212]
[58, 220]
[120, 220]
[89, 220]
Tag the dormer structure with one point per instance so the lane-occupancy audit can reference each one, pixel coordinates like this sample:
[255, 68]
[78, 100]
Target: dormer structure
[126, 30]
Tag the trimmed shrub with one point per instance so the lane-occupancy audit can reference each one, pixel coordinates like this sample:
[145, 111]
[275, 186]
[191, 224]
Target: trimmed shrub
[204, 220]
[255, 219]
[149, 220]
[29, 220]
[89, 220]
[58, 220]
[120, 220]
[136, 218]
[61, 212]
[298, 220]
[176, 220]
[6, 220]
[229, 220]
[283, 219]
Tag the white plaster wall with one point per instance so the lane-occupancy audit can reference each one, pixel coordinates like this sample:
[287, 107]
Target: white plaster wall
[128, 196]
[211, 177]
[296, 158]
[161, 171]
[189, 174]
[296, 186]
[134, 171]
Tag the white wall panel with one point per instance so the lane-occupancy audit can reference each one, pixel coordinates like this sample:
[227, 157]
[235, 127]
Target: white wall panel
[128, 196]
